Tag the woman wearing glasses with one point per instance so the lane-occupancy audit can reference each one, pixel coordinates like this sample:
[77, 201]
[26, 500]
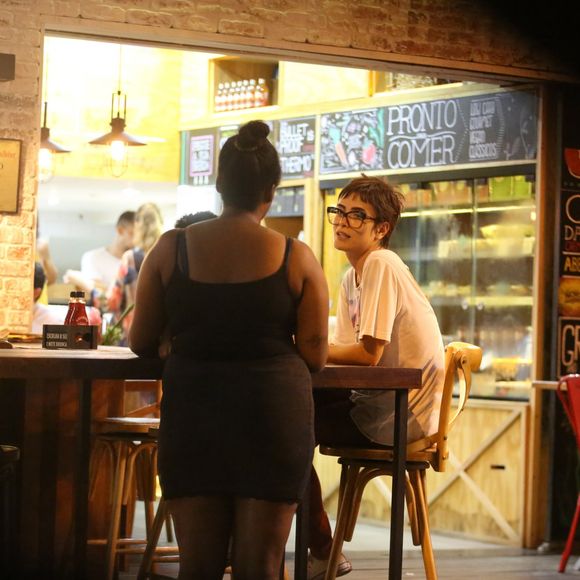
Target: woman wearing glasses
[247, 310]
[383, 318]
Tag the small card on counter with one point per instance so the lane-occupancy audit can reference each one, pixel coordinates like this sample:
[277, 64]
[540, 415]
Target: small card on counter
[57, 336]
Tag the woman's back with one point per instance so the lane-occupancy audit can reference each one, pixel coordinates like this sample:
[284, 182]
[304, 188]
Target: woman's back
[215, 315]
[231, 250]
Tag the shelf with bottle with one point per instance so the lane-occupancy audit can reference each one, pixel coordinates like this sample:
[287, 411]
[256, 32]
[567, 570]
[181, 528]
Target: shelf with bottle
[242, 83]
[241, 94]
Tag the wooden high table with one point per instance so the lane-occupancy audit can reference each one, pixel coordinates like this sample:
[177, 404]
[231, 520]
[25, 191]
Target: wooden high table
[48, 400]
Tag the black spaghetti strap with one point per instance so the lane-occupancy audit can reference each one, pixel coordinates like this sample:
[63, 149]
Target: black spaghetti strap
[287, 253]
[182, 260]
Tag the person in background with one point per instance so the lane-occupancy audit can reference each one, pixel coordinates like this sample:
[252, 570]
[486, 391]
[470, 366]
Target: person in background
[194, 218]
[121, 293]
[99, 267]
[42, 255]
[43, 314]
[52, 313]
[247, 310]
[384, 319]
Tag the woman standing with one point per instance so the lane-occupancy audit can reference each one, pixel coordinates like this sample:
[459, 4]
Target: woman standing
[121, 294]
[247, 310]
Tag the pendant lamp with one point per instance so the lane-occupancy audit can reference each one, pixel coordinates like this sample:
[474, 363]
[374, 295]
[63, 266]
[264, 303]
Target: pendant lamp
[117, 138]
[46, 151]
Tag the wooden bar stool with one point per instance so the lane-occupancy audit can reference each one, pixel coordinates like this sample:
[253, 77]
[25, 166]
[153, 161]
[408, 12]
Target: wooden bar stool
[125, 443]
[154, 553]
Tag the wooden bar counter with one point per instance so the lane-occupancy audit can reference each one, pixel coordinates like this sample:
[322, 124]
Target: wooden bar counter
[48, 401]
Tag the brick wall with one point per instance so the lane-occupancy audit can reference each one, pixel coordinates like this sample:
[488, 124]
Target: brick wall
[462, 32]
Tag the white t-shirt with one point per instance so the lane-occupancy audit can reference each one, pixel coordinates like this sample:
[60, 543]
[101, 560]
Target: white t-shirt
[389, 305]
[100, 265]
[47, 314]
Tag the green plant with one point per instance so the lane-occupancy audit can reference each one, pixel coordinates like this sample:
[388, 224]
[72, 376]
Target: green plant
[114, 333]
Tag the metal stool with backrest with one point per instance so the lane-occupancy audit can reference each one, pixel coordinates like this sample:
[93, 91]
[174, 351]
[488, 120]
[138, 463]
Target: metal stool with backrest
[570, 399]
[360, 465]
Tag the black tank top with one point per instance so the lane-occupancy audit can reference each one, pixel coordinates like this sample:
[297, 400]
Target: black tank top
[230, 321]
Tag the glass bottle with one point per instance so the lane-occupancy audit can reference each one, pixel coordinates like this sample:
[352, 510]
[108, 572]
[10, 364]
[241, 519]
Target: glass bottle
[245, 100]
[219, 99]
[236, 96]
[263, 94]
[227, 100]
[252, 93]
[77, 313]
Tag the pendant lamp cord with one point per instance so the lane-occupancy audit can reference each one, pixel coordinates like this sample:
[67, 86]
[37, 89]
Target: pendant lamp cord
[119, 81]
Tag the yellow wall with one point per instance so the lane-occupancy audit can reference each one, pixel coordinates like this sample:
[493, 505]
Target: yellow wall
[79, 79]
[303, 84]
[195, 102]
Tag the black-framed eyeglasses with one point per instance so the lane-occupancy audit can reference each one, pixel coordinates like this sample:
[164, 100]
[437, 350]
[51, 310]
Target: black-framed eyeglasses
[355, 218]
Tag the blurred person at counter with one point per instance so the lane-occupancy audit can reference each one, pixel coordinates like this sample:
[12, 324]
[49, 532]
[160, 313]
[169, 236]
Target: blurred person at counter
[120, 295]
[99, 267]
[384, 319]
[194, 218]
[42, 256]
[52, 313]
[247, 310]
[42, 313]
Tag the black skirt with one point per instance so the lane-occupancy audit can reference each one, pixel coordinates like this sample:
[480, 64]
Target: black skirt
[236, 428]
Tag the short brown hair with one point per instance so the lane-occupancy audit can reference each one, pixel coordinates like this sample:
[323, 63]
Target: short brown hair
[387, 202]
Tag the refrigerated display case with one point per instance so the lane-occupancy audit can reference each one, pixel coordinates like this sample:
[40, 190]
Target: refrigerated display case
[470, 245]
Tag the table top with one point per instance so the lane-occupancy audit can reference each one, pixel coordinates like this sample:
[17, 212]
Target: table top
[545, 385]
[28, 361]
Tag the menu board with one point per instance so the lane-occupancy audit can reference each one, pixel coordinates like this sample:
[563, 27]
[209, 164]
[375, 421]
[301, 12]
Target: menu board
[439, 133]
[351, 141]
[477, 129]
[201, 159]
[295, 144]
[568, 282]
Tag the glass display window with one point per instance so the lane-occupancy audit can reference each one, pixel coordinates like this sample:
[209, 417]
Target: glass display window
[470, 245]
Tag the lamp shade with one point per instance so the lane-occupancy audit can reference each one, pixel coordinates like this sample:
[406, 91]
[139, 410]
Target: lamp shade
[47, 143]
[117, 133]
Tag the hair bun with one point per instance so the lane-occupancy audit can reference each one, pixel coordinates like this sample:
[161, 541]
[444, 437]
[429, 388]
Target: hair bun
[252, 134]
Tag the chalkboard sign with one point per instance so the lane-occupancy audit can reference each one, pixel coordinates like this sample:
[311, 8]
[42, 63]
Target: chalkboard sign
[201, 159]
[476, 129]
[351, 141]
[568, 282]
[295, 144]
